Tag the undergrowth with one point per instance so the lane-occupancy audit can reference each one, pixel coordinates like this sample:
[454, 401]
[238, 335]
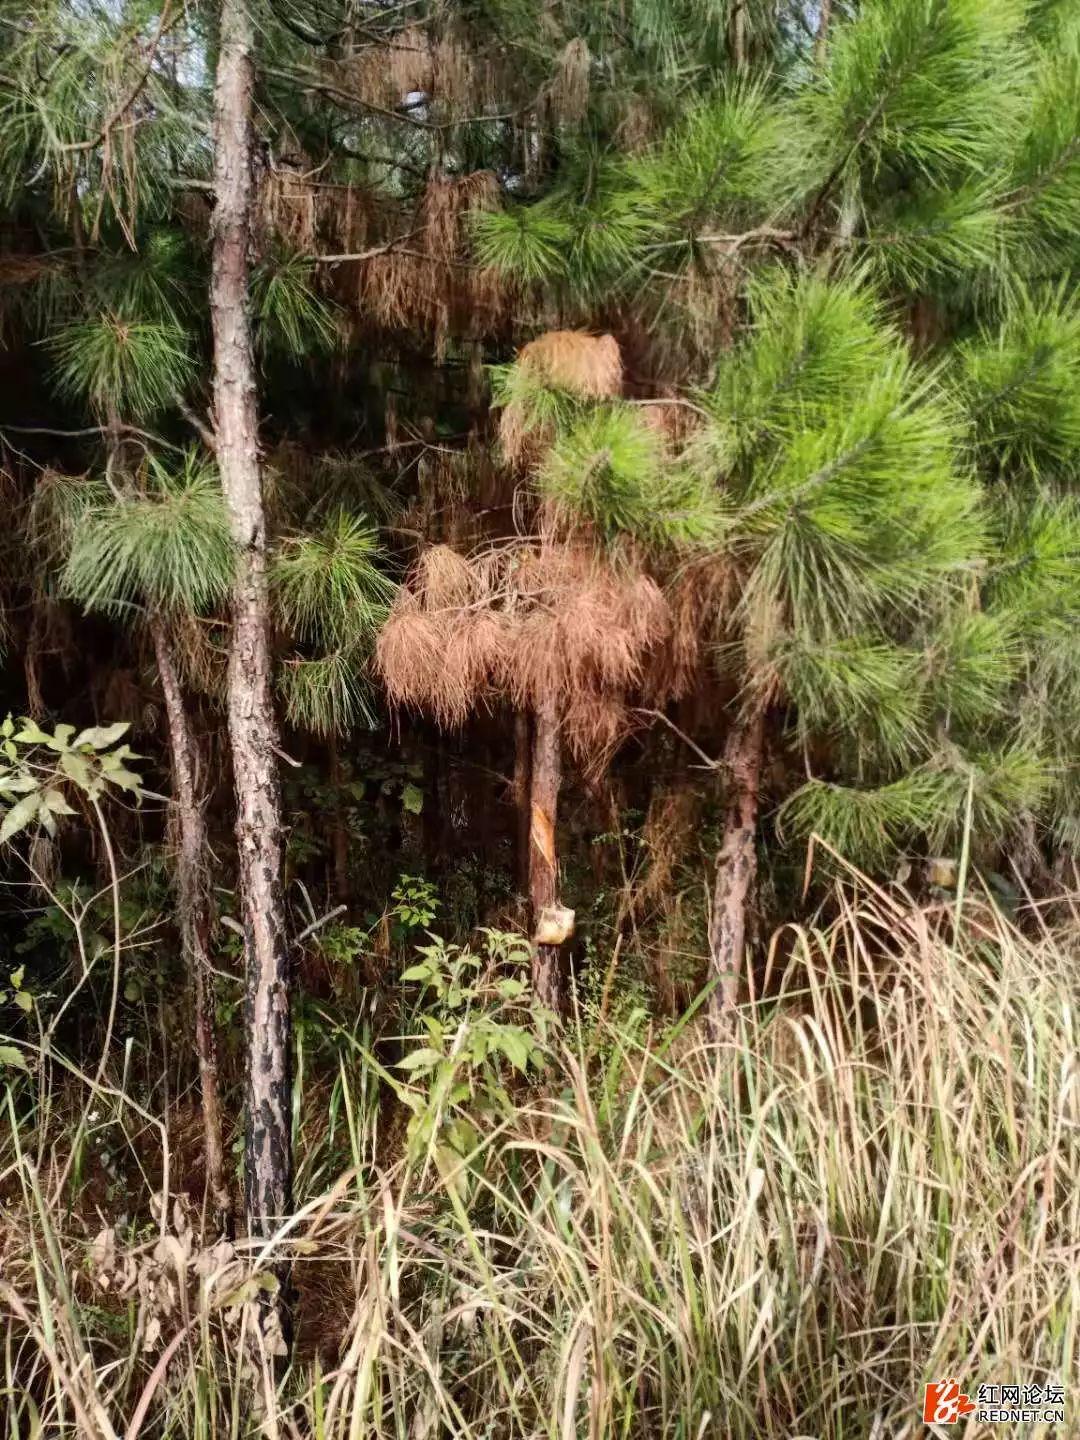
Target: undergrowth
[873, 1183]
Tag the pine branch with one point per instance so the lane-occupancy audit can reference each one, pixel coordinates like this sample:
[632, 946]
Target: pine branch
[204, 431]
[165, 24]
[369, 254]
[333, 92]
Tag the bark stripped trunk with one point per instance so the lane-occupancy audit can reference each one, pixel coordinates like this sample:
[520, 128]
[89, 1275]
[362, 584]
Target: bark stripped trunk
[543, 874]
[522, 787]
[194, 908]
[252, 731]
[736, 864]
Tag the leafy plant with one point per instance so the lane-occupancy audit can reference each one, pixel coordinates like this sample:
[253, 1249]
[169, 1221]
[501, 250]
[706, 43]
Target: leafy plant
[479, 1027]
[41, 768]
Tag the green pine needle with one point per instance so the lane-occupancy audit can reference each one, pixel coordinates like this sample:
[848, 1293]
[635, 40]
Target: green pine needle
[167, 547]
[610, 468]
[328, 586]
[134, 366]
[328, 695]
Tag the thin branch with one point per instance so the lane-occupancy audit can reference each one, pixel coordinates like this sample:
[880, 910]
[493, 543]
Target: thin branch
[318, 924]
[334, 92]
[165, 23]
[763, 234]
[382, 249]
[707, 761]
[675, 400]
[821, 39]
[145, 435]
[204, 431]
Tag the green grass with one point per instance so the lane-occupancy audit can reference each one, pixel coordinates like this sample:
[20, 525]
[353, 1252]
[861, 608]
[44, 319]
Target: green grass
[875, 1183]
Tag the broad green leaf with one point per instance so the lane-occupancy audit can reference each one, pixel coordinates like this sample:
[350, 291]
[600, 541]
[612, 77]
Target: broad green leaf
[77, 767]
[32, 734]
[514, 1044]
[61, 738]
[416, 972]
[20, 784]
[13, 1057]
[19, 816]
[126, 779]
[24, 1000]
[16, 977]
[54, 800]
[424, 1058]
[99, 737]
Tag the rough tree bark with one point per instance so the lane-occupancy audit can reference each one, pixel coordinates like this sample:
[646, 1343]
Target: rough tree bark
[194, 908]
[736, 863]
[545, 779]
[252, 730]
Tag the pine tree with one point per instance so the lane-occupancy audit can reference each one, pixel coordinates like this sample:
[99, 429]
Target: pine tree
[252, 725]
[911, 178]
[150, 538]
[830, 252]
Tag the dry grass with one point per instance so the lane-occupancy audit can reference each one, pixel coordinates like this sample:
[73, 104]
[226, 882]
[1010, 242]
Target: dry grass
[875, 1184]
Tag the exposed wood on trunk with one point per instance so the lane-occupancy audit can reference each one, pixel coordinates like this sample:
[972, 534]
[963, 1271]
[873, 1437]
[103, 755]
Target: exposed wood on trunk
[193, 905]
[522, 787]
[736, 863]
[252, 730]
[545, 779]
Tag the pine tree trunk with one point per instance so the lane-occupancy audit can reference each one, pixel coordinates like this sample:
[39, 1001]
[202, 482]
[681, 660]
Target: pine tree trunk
[522, 788]
[252, 731]
[194, 909]
[736, 864]
[545, 779]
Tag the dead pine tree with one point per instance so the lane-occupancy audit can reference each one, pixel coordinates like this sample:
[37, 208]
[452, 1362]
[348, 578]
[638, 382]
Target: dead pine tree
[252, 728]
[550, 628]
[554, 621]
